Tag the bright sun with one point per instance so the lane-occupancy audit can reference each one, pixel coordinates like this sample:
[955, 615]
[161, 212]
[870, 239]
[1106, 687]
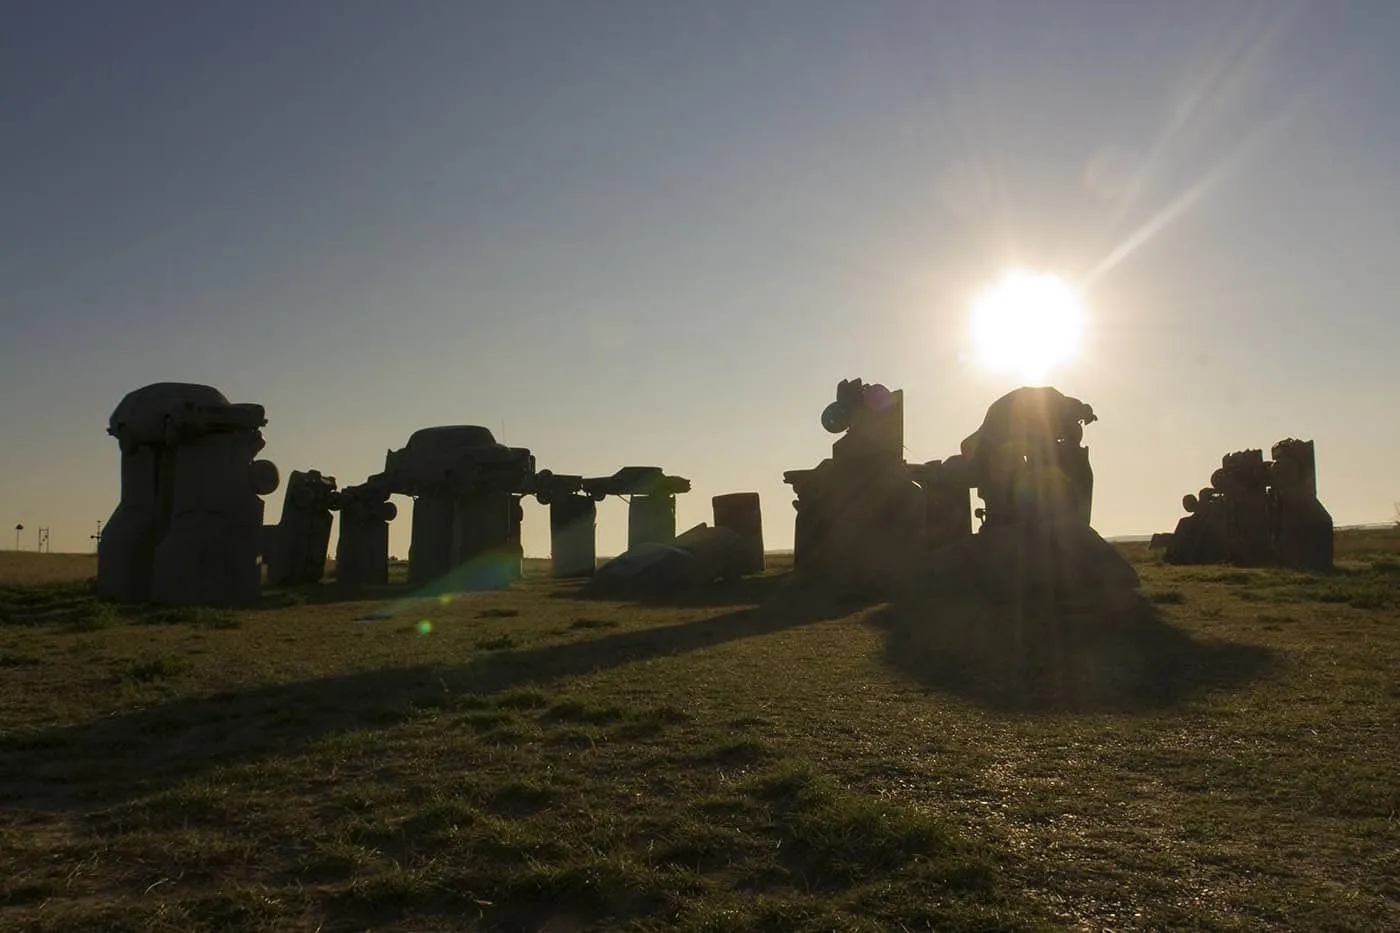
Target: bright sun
[1027, 324]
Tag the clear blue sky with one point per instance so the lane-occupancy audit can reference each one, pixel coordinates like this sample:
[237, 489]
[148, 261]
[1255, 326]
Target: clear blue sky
[660, 232]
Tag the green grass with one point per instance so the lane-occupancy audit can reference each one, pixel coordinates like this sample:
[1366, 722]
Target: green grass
[1217, 755]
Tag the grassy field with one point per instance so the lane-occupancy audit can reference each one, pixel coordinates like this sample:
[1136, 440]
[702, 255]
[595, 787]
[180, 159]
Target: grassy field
[1221, 755]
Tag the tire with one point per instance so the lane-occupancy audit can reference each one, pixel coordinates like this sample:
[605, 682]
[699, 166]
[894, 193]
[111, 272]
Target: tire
[263, 477]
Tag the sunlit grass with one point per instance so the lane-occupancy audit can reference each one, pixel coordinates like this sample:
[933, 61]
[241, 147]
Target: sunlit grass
[765, 760]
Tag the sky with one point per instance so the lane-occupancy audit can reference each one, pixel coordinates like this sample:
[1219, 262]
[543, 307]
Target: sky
[659, 233]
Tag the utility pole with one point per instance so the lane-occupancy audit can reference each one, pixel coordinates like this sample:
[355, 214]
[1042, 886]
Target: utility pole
[44, 547]
[97, 538]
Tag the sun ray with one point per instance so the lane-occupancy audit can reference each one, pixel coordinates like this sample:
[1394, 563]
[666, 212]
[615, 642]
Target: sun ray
[1183, 202]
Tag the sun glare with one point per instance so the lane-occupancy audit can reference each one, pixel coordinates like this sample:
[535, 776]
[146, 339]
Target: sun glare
[1026, 325]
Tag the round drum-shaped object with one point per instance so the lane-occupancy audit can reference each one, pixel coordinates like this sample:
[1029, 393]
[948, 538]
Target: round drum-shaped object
[836, 417]
[263, 477]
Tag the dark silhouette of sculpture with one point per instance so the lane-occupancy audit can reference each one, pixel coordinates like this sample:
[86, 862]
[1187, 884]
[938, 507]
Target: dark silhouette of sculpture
[1257, 513]
[573, 523]
[698, 557]
[1202, 536]
[1302, 527]
[1026, 459]
[1243, 482]
[573, 536]
[296, 547]
[188, 529]
[573, 509]
[651, 503]
[860, 514]
[740, 512]
[466, 513]
[362, 555]
[1032, 472]
[947, 504]
[867, 519]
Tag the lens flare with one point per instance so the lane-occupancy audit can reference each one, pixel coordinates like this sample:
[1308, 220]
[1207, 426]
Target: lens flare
[424, 627]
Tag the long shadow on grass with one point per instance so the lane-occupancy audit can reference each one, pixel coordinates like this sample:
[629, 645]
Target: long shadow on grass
[1040, 657]
[745, 591]
[109, 760]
